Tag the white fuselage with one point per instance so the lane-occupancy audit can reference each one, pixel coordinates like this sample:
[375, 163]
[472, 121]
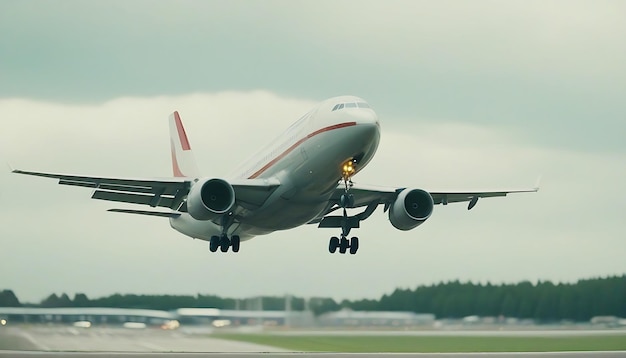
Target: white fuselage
[307, 161]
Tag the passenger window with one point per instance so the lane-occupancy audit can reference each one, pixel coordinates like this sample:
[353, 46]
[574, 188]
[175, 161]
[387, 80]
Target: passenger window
[350, 105]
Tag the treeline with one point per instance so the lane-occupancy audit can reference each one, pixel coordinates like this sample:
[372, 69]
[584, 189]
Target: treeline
[543, 301]
[172, 302]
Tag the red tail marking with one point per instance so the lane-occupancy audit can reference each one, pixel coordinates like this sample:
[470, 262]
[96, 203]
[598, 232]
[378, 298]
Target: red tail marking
[181, 132]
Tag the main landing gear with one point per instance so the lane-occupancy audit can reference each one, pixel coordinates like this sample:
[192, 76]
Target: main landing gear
[222, 242]
[343, 244]
[347, 200]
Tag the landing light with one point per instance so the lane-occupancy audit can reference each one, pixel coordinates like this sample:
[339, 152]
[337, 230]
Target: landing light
[348, 168]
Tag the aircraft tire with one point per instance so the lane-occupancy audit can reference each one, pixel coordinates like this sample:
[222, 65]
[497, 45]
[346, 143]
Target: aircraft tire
[354, 245]
[214, 244]
[333, 244]
[343, 245]
[224, 244]
[235, 241]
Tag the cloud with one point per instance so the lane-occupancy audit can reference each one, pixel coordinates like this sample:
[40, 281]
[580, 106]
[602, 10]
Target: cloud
[552, 69]
[490, 36]
[56, 239]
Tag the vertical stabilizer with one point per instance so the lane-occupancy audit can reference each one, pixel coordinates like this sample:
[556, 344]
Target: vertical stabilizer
[183, 161]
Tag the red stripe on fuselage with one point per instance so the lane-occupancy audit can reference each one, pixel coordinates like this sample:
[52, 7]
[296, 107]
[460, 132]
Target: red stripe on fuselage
[283, 154]
[182, 136]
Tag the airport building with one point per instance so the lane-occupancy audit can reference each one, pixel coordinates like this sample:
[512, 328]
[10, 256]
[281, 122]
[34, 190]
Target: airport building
[93, 315]
[221, 318]
[213, 317]
[349, 318]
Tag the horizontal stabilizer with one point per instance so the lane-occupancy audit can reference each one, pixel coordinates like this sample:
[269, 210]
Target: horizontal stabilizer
[144, 212]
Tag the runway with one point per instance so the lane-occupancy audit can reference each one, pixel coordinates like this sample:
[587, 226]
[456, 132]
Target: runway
[102, 339]
[311, 355]
[39, 341]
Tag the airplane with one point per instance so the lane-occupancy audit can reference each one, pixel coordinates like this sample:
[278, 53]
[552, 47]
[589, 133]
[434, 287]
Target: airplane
[302, 177]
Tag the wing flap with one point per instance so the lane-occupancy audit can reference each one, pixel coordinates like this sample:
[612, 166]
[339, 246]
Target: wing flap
[145, 212]
[169, 192]
[122, 197]
[85, 184]
[131, 198]
[445, 197]
[125, 188]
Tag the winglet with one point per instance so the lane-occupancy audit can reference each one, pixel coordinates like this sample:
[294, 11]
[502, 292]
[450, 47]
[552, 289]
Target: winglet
[537, 183]
[183, 161]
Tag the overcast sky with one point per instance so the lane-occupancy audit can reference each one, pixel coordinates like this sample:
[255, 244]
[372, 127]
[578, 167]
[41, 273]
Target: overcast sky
[471, 95]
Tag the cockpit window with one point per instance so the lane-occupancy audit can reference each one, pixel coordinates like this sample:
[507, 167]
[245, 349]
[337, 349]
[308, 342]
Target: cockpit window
[351, 105]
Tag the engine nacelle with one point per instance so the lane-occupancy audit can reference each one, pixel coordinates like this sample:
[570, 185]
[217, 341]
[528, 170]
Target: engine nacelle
[210, 198]
[410, 209]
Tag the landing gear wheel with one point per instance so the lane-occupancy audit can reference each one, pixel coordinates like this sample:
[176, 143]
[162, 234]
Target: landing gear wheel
[214, 243]
[346, 200]
[224, 244]
[354, 245]
[343, 245]
[333, 244]
[235, 241]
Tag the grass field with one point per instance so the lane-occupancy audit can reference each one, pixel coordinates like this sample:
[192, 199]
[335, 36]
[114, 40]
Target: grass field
[426, 344]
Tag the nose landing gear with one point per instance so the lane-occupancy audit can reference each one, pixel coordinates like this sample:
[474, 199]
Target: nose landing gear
[346, 201]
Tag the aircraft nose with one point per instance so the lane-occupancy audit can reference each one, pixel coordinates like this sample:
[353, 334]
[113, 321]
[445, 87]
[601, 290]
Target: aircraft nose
[365, 116]
[367, 121]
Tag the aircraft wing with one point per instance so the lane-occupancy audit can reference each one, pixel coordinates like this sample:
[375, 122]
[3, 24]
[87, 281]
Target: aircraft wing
[169, 193]
[370, 195]
[163, 192]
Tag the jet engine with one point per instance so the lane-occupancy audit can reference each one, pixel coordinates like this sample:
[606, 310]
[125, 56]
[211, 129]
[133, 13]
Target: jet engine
[210, 198]
[410, 209]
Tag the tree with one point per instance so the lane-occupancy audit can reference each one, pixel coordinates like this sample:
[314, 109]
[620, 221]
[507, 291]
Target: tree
[80, 300]
[8, 299]
[323, 305]
[50, 301]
